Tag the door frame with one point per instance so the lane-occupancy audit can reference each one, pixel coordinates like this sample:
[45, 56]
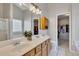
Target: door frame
[70, 27]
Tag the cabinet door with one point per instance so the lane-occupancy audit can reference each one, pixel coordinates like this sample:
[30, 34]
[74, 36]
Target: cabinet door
[30, 53]
[38, 54]
[44, 49]
[38, 48]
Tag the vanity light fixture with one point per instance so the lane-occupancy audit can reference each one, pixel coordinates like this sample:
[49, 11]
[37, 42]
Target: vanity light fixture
[38, 11]
[32, 7]
[22, 4]
[35, 9]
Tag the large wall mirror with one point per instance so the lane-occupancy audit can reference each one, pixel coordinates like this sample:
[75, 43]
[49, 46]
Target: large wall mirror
[16, 18]
[21, 20]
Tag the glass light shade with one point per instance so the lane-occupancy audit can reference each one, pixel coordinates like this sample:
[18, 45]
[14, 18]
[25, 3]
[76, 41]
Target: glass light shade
[34, 10]
[31, 7]
[37, 11]
[40, 12]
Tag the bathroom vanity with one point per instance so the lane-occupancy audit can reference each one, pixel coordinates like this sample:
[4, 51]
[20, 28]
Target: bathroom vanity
[39, 46]
[42, 48]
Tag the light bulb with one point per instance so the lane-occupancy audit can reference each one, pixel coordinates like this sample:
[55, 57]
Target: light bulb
[31, 7]
[37, 10]
[40, 12]
[34, 10]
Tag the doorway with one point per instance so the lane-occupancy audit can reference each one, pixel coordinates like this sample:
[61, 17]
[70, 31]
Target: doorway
[63, 31]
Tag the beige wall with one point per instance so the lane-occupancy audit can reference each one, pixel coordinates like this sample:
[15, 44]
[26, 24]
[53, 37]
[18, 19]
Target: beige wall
[1, 10]
[4, 16]
[63, 22]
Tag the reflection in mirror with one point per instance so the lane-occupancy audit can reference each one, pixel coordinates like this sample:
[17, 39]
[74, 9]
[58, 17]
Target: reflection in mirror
[17, 28]
[15, 19]
[27, 20]
[4, 17]
[21, 21]
[17, 22]
[3, 29]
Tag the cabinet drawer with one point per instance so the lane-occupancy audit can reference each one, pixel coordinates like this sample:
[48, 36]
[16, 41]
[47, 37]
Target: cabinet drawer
[38, 48]
[30, 53]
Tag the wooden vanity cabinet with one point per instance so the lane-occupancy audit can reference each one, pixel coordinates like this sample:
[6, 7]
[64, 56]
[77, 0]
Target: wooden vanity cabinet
[41, 50]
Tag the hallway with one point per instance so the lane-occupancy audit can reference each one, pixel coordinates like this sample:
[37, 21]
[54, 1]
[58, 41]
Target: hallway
[63, 47]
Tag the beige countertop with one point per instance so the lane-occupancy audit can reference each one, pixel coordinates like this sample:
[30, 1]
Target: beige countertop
[22, 48]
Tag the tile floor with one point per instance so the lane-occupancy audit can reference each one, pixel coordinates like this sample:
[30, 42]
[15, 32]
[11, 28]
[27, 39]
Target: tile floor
[63, 50]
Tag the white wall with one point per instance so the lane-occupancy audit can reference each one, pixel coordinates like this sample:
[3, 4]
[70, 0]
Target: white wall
[75, 25]
[53, 11]
[73, 9]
